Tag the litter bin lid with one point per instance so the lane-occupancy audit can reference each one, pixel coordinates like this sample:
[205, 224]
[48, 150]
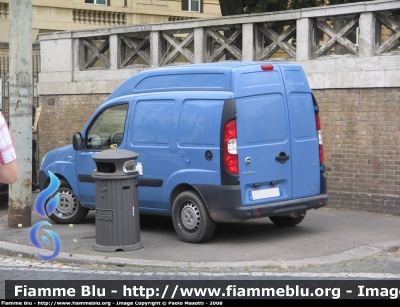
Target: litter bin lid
[115, 154]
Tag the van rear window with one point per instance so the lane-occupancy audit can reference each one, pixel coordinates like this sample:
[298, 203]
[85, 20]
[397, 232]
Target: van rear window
[264, 119]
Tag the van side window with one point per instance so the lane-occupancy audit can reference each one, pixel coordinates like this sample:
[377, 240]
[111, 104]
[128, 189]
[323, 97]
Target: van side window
[107, 128]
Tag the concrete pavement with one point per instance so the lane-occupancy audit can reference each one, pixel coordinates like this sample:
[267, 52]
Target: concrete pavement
[325, 236]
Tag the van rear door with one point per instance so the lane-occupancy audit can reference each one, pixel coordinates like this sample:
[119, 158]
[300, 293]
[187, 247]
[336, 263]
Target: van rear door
[306, 172]
[277, 149]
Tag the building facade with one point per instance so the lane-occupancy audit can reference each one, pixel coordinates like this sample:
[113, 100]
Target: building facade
[56, 15]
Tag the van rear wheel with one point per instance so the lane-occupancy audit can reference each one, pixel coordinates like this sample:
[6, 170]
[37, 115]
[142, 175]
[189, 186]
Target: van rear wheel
[69, 209]
[190, 218]
[287, 221]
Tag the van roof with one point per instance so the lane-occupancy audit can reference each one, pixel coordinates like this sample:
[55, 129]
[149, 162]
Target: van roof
[232, 64]
[189, 77]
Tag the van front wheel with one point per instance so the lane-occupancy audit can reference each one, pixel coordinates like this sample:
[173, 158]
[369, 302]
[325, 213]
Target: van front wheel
[191, 220]
[69, 210]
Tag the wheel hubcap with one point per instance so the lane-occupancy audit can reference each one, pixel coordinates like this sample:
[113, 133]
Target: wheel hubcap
[190, 216]
[67, 205]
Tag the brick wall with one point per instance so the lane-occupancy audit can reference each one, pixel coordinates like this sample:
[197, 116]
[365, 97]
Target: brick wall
[360, 131]
[62, 116]
[362, 148]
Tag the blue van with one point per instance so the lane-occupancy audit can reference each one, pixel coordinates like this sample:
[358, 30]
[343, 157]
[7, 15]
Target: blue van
[218, 142]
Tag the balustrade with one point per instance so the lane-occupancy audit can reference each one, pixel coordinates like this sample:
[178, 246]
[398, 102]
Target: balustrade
[99, 17]
[365, 34]
[308, 34]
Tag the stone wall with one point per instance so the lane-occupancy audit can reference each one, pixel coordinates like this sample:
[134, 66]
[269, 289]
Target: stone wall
[361, 137]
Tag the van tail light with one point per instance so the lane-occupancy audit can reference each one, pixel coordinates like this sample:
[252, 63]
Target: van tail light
[320, 143]
[230, 148]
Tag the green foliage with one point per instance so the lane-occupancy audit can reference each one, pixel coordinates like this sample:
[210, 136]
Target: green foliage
[333, 2]
[261, 6]
[301, 4]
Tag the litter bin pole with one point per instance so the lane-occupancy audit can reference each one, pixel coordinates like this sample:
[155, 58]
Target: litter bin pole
[117, 201]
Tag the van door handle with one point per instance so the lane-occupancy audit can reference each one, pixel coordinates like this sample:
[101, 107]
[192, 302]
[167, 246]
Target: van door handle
[282, 158]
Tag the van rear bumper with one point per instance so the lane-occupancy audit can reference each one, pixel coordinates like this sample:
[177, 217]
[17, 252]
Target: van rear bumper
[224, 204]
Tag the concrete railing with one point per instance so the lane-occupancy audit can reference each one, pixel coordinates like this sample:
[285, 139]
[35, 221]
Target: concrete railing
[340, 46]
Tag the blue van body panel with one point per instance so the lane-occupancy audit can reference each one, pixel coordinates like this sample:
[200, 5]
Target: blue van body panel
[175, 121]
[262, 103]
[169, 79]
[175, 158]
[61, 162]
[305, 146]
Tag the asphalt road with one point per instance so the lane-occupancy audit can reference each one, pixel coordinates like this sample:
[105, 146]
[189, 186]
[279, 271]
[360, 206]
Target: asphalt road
[324, 237]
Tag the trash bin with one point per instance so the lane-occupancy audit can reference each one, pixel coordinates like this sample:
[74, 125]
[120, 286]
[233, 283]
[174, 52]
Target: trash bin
[117, 202]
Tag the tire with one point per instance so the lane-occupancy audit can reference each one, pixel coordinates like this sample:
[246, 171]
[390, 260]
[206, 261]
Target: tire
[191, 220]
[287, 221]
[69, 209]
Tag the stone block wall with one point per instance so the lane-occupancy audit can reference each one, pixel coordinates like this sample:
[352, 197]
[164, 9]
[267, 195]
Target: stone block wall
[361, 135]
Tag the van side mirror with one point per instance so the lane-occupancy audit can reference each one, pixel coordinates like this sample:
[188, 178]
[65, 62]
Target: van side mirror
[77, 141]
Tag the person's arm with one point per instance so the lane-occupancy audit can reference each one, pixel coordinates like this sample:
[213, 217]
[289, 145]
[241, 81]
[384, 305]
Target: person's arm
[9, 172]
[8, 156]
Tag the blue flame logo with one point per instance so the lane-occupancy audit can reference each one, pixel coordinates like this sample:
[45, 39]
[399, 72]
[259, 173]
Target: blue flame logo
[40, 209]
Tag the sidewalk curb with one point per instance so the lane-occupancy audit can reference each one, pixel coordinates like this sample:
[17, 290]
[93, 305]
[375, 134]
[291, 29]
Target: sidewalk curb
[23, 251]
